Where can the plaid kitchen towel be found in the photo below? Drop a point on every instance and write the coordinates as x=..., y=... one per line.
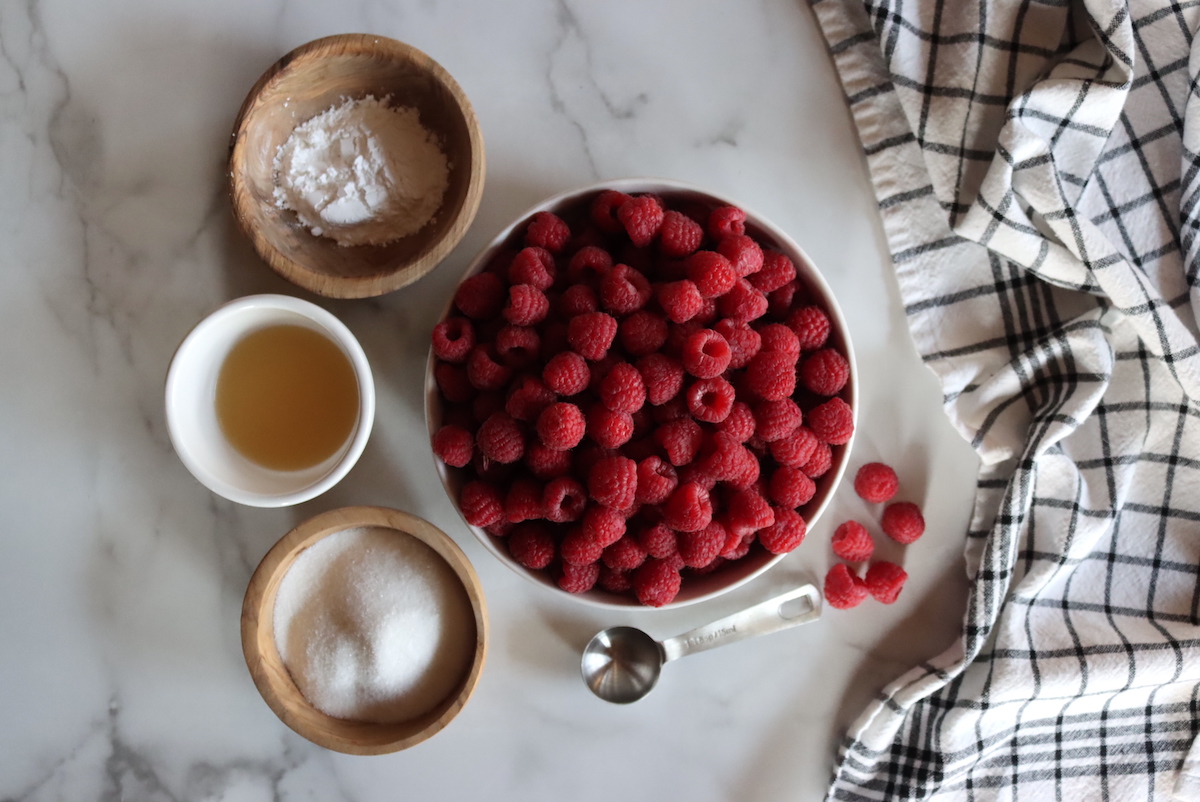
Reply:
x=1035, y=163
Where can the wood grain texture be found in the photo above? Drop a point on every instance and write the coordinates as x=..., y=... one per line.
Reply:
x=311, y=79
x=272, y=677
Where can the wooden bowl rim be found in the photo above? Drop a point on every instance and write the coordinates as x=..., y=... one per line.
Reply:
x=259, y=603
x=377, y=284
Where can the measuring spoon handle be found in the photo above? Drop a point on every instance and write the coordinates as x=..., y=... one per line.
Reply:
x=770, y=616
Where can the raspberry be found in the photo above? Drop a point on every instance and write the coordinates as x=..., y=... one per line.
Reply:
x=517, y=346
x=776, y=419
x=697, y=474
x=453, y=339
x=578, y=299
x=742, y=252
x=736, y=550
x=778, y=337
x=623, y=389
x=500, y=438
x=528, y=399
x=790, y=487
x=527, y=305
x=531, y=545
x=533, y=266
x=681, y=300
x=656, y=480
x=843, y=589
x=501, y=528
x=705, y=354
x=885, y=580
x=688, y=509
x=480, y=296
x=604, y=211
x=523, y=502
x=624, y=290
x=592, y=334
x=641, y=217
x=603, y=526
x=825, y=372
x=743, y=302
x=547, y=231
x=577, y=578
x=902, y=522
x=663, y=377
x=677, y=337
x=720, y=457
x=725, y=221
x=679, y=236
x=680, y=439
x=566, y=373
x=599, y=369
x=739, y=423
x=710, y=400
x=785, y=534
x=561, y=426
x=811, y=327
x=578, y=548
x=607, y=428
x=659, y=541
x=796, y=449
x=771, y=376
x=613, y=482
x=547, y=463
x=589, y=263
x=776, y=271
x=642, y=333
x=819, y=463
x=480, y=504
x=832, y=422
x=852, y=543
x=454, y=445
x=708, y=313
x=563, y=500
x=485, y=371
x=711, y=272
x=876, y=482
x=620, y=582
x=624, y=555
x=672, y=409
x=656, y=583
x=747, y=472
x=781, y=301
x=748, y=512
x=700, y=548
x=744, y=342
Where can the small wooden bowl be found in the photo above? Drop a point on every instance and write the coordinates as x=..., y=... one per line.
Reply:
x=311, y=79
x=272, y=677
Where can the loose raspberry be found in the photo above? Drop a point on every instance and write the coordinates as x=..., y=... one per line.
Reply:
x=876, y=482
x=454, y=445
x=656, y=583
x=778, y=337
x=547, y=463
x=742, y=252
x=725, y=221
x=453, y=339
x=705, y=354
x=642, y=333
x=680, y=235
x=885, y=580
x=532, y=266
x=748, y=471
x=613, y=482
x=592, y=334
x=902, y=522
x=604, y=211
x=710, y=400
x=563, y=500
x=588, y=265
x=720, y=456
x=619, y=582
x=527, y=305
x=743, y=302
x=811, y=326
x=657, y=479
x=700, y=548
x=832, y=422
x=528, y=399
x=561, y=426
x=578, y=299
x=781, y=301
x=736, y=550
x=659, y=541
x=566, y=373
x=480, y=503
x=785, y=534
x=641, y=217
x=776, y=271
x=524, y=501
x=708, y=313
x=825, y=372
x=739, y=423
x=624, y=290
x=603, y=525
x=776, y=419
x=711, y=272
x=480, y=296
x=680, y=439
x=681, y=300
x=500, y=438
x=771, y=376
x=843, y=589
x=796, y=449
x=749, y=512
x=607, y=428
x=744, y=342
x=671, y=409
x=599, y=369
x=819, y=463
x=623, y=389
x=548, y=231
x=852, y=542
x=790, y=487
x=531, y=544
x=624, y=555
x=678, y=335
x=517, y=346
x=578, y=548
x=485, y=369
x=577, y=578
x=501, y=528
x=697, y=474
x=688, y=509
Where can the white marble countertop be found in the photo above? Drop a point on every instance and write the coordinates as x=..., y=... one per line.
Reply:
x=121, y=578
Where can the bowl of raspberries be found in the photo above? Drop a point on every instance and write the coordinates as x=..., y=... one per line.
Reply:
x=641, y=394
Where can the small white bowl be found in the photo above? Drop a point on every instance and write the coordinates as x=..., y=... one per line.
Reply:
x=191, y=409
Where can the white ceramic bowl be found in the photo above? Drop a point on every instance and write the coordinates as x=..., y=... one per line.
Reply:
x=695, y=588
x=191, y=409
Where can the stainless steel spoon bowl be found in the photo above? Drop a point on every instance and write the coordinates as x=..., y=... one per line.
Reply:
x=622, y=664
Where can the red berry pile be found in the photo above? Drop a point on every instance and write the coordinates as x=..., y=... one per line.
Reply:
x=637, y=394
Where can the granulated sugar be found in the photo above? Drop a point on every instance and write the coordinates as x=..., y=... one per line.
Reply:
x=362, y=173
x=373, y=625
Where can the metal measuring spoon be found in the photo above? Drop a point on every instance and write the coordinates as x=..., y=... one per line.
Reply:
x=622, y=664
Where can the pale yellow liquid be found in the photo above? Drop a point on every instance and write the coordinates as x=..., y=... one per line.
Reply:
x=287, y=397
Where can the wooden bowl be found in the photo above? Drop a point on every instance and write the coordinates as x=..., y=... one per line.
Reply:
x=311, y=79
x=272, y=677
x=573, y=205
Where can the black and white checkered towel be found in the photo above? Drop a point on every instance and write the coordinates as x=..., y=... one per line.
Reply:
x=1036, y=167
